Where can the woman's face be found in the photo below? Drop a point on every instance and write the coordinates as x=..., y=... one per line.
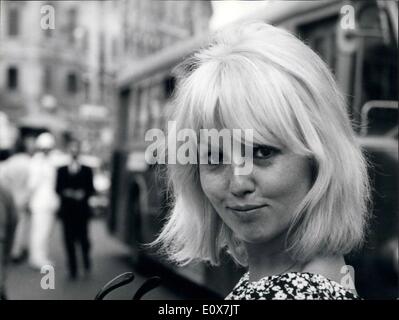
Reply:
x=258, y=207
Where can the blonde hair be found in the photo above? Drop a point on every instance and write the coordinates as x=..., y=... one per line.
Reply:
x=258, y=76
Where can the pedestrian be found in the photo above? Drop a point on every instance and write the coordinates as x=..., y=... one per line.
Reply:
x=44, y=201
x=8, y=216
x=75, y=186
x=14, y=173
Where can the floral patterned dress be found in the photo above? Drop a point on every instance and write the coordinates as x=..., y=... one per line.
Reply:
x=290, y=286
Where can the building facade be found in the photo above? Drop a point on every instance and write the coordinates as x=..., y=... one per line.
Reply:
x=59, y=61
x=51, y=67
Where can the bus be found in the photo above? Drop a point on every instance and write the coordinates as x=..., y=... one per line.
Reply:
x=358, y=41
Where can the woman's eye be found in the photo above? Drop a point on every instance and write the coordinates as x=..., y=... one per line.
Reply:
x=264, y=152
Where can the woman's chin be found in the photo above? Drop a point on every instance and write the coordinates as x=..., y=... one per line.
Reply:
x=262, y=236
x=254, y=238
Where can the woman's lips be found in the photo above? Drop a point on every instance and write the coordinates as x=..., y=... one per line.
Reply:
x=247, y=207
x=242, y=209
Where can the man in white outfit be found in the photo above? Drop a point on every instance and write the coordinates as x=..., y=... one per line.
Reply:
x=15, y=174
x=44, y=201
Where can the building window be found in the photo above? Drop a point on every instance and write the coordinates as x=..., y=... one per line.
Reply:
x=47, y=79
x=85, y=40
x=321, y=36
x=71, y=24
x=13, y=22
x=48, y=33
x=12, y=78
x=72, y=83
x=114, y=48
x=86, y=85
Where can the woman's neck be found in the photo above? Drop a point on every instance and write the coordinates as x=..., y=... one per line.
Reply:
x=271, y=258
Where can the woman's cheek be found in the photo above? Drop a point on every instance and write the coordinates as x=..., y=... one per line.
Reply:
x=289, y=177
x=213, y=184
x=274, y=179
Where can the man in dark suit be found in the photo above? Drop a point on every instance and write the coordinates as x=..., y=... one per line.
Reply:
x=75, y=186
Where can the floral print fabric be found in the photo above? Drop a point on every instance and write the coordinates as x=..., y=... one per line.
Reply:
x=290, y=286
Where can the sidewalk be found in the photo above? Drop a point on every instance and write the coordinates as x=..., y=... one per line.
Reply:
x=110, y=258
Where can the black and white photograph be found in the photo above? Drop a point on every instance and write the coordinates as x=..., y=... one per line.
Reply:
x=199, y=150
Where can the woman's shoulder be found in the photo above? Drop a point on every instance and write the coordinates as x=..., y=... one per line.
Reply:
x=291, y=285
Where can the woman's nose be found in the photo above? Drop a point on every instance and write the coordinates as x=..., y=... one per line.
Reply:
x=241, y=185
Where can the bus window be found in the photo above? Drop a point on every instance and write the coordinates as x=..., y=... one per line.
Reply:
x=379, y=78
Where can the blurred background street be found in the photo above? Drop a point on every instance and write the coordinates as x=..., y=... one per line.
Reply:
x=111, y=259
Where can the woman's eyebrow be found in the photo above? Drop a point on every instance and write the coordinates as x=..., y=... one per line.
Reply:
x=267, y=144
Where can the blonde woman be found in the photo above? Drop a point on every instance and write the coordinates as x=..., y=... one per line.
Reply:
x=304, y=203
